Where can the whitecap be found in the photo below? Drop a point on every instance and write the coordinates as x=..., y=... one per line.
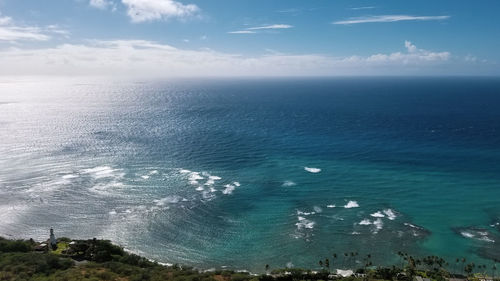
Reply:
x=317, y=209
x=145, y=177
x=153, y=172
x=102, y=172
x=172, y=199
x=365, y=222
x=378, y=223
x=228, y=189
x=305, y=213
x=304, y=223
x=194, y=183
x=289, y=264
x=467, y=234
x=194, y=176
x=330, y=206
x=390, y=214
x=351, y=204
x=312, y=170
x=113, y=212
x=212, y=189
x=487, y=239
x=70, y=176
x=210, y=182
x=199, y=188
x=184, y=171
x=215, y=178
x=288, y=184
x=237, y=184
x=377, y=215
x=355, y=233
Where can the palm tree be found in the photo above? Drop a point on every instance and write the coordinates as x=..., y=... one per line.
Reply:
x=321, y=264
x=267, y=268
x=327, y=264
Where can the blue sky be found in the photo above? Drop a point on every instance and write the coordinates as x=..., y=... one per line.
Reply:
x=249, y=37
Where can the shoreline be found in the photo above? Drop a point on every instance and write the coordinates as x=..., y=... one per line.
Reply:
x=72, y=256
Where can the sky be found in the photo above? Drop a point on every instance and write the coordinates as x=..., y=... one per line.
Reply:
x=166, y=38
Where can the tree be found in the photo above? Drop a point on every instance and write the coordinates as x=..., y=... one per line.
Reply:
x=327, y=264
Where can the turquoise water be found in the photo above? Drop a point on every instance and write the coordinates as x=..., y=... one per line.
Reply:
x=243, y=173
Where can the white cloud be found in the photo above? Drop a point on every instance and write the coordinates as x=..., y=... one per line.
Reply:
x=389, y=18
x=151, y=10
x=13, y=33
x=253, y=30
x=273, y=26
x=242, y=32
x=140, y=58
x=100, y=4
x=362, y=8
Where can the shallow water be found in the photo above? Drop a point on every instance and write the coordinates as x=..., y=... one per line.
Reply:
x=243, y=173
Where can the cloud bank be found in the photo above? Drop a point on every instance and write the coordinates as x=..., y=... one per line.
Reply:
x=141, y=58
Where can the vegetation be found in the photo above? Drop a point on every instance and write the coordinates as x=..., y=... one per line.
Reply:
x=101, y=260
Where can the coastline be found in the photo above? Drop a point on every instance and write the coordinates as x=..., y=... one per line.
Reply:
x=65, y=258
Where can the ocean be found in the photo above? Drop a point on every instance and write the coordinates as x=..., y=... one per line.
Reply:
x=240, y=173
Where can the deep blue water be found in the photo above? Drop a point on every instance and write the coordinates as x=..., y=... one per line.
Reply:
x=248, y=172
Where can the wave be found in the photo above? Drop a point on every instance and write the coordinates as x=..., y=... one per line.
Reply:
x=365, y=222
x=70, y=176
x=377, y=214
x=172, y=199
x=390, y=214
x=351, y=204
x=331, y=206
x=288, y=184
x=304, y=223
x=317, y=209
x=305, y=213
x=229, y=188
x=312, y=170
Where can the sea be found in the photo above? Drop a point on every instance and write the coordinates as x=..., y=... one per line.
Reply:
x=237, y=173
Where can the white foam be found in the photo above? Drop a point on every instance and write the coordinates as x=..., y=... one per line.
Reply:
x=153, y=172
x=487, y=239
x=351, y=204
x=390, y=214
x=228, y=189
x=199, y=188
x=288, y=184
x=365, y=222
x=237, y=184
x=355, y=233
x=304, y=223
x=467, y=234
x=212, y=189
x=289, y=264
x=184, y=171
x=378, y=223
x=145, y=177
x=305, y=213
x=194, y=183
x=312, y=170
x=101, y=172
x=317, y=209
x=210, y=182
x=331, y=206
x=215, y=178
x=194, y=176
x=70, y=176
x=113, y=212
x=172, y=199
x=377, y=215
